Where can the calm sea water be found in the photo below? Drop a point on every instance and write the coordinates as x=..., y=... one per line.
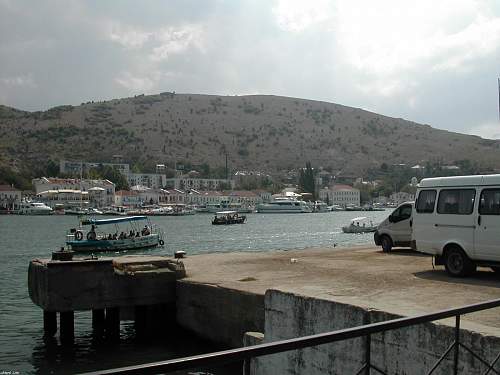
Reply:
x=23, y=238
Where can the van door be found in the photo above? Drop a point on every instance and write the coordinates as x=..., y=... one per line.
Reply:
x=487, y=238
x=454, y=219
x=424, y=231
x=400, y=230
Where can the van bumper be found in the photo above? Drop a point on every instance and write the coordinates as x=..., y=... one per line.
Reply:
x=413, y=245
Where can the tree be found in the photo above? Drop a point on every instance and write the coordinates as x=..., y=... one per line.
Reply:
x=306, y=180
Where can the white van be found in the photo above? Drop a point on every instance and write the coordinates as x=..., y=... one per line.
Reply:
x=395, y=230
x=457, y=219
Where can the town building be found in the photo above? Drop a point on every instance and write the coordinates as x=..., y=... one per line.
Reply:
x=186, y=182
x=10, y=198
x=151, y=180
x=127, y=198
x=70, y=190
x=343, y=195
x=401, y=197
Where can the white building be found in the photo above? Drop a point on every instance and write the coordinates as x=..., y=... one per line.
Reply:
x=10, y=197
x=343, y=195
x=151, y=180
x=185, y=182
x=401, y=197
x=103, y=191
x=127, y=198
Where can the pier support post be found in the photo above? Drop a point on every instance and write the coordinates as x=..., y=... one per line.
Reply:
x=98, y=318
x=113, y=322
x=49, y=323
x=67, y=326
x=140, y=320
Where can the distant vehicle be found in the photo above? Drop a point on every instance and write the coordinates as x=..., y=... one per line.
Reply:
x=457, y=219
x=395, y=230
x=228, y=217
x=360, y=225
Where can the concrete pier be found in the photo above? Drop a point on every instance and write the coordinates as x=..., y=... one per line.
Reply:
x=105, y=286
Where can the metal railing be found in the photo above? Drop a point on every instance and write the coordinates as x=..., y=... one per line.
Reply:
x=247, y=353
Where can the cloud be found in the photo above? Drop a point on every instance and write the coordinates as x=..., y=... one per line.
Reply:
x=298, y=15
x=18, y=81
x=176, y=40
x=135, y=83
x=128, y=38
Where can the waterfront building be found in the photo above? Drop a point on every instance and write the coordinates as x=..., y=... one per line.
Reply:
x=401, y=197
x=10, y=197
x=104, y=197
x=127, y=198
x=264, y=195
x=343, y=195
x=244, y=197
x=186, y=182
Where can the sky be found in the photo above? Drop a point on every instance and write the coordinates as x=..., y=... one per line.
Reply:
x=432, y=62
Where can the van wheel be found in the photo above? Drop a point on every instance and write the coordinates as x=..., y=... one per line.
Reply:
x=386, y=243
x=457, y=263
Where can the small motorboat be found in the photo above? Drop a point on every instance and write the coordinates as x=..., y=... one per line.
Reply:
x=228, y=217
x=360, y=225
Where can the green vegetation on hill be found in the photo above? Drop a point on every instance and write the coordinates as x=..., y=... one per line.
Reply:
x=266, y=133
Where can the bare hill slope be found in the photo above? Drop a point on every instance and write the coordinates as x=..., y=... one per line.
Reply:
x=257, y=132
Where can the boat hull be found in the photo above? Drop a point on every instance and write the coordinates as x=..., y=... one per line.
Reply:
x=133, y=243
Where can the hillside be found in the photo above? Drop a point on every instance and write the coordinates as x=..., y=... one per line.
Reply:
x=257, y=132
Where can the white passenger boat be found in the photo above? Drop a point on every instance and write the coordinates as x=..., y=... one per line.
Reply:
x=34, y=208
x=360, y=225
x=285, y=205
x=106, y=235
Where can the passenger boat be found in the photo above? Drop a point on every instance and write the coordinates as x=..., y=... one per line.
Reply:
x=360, y=225
x=106, y=235
x=34, y=208
x=228, y=217
x=287, y=205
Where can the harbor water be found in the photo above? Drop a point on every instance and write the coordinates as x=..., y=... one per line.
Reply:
x=23, y=349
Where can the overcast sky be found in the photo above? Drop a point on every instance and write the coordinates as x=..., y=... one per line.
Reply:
x=433, y=62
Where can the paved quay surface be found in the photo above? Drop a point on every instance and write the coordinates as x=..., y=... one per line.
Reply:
x=401, y=282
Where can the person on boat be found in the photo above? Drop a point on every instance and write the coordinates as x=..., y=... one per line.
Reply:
x=121, y=236
x=110, y=236
x=131, y=234
x=115, y=236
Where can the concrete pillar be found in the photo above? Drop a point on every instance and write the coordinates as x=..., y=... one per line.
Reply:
x=140, y=320
x=67, y=326
x=98, y=318
x=113, y=322
x=49, y=323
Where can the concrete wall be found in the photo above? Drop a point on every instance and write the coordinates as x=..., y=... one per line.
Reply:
x=412, y=350
x=221, y=315
x=85, y=285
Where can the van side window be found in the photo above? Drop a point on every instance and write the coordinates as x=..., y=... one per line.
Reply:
x=489, y=204
x=405, y=212
x=456, y=201
x=425, y=202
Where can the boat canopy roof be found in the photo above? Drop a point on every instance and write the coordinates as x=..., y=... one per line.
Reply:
x=361, y=218
x=226, y=212
x=116, y=220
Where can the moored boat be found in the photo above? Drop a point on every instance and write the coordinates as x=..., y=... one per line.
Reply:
x=34, y=208
x=287, y=205
x=101, y=238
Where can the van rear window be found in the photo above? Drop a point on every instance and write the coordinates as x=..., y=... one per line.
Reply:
x=456, y=201
x=489, y=203
x=425, y=202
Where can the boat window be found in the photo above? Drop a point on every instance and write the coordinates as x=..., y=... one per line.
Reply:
x=456, y=201
x=426, y=201
x=489, y=204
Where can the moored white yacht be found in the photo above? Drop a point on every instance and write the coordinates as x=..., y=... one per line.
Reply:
x=34, y=208
x=286, y=205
